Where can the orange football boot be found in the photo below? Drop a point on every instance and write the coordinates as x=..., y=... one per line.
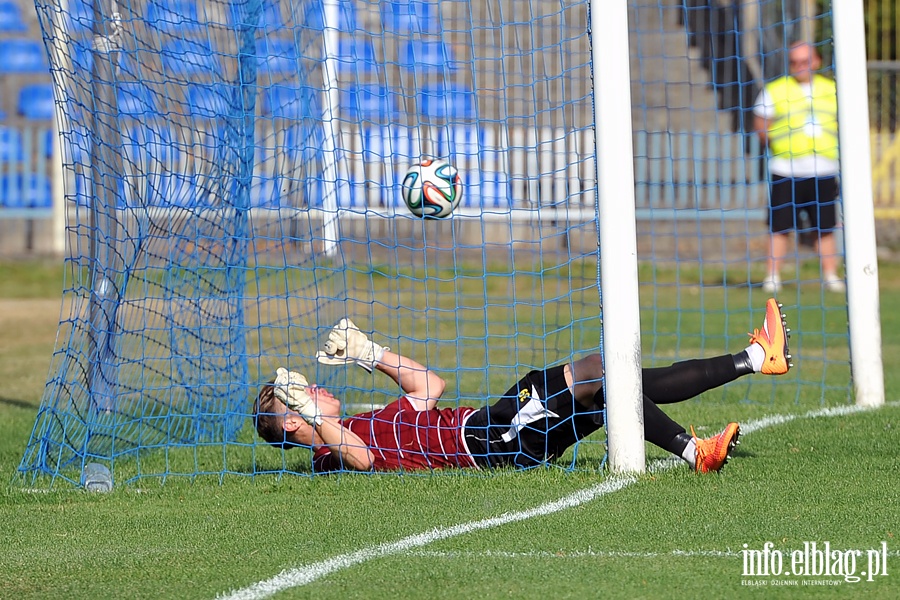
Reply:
x=773, y=337
x=713, y=453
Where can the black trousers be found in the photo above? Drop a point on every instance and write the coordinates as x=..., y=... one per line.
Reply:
x=538, y=418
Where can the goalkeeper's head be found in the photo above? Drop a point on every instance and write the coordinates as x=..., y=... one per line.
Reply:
x=277, y=424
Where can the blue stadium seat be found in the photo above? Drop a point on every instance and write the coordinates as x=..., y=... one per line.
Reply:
x=347, y=22
x=304, y=143
x=48, y=141
x=266, y=184
x=177, y=17
x=447, y=101
x=488, y=190
x=150, y=156
x=369, y=103
x=155, y=162
x=182, y=190
x=83, y=60
x=79, y=142
x=265, y=191
x=36, y=101
x=81, y=190
x=10, y=145
x=210, y=101
x=145, y=143
x=427, y=56
x=11, y=17
x=314, y=190
x=277, y=56
x=40, y=194
x=81, y=18
x=291, y=102
x=270, y=20
x=356, y=55
x=23, y=56
x=190, y=58
x=135, y=100
x=25, y=190
x=75, y=145
x=190, y=190
x=405, y=16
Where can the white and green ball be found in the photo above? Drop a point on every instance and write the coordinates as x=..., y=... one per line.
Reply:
x=432, y=188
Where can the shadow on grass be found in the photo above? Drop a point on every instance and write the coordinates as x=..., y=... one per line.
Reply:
x=19, y=403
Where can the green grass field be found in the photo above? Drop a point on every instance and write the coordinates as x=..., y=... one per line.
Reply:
x=667, y=534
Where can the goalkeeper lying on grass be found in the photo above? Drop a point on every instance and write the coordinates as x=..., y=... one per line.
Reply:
x=535, y=421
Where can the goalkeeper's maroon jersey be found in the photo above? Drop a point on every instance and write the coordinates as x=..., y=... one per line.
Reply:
x=401, y=437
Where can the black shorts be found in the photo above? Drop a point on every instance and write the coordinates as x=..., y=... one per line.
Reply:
x=817, y=196
x=535, y=421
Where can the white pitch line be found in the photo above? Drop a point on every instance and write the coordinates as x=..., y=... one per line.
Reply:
x=299, y=576
x=588, y=554
x=577, y=554
x=772, y=420
x=290, y=578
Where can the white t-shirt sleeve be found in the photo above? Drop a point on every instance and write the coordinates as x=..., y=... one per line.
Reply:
x=764, y=106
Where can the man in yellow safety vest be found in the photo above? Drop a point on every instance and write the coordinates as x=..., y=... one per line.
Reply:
x=796, y=116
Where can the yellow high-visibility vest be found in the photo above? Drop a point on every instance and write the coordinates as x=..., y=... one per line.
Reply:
x=803, y=126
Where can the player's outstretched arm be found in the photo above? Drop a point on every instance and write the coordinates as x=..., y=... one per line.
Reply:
x=347, y=344
x=422, y=386
x=342, y=442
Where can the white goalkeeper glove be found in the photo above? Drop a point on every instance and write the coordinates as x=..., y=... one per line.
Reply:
x=290, y=388
x=346, y=343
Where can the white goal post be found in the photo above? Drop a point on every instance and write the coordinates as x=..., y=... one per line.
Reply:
x=859, y=214
x=618, y=236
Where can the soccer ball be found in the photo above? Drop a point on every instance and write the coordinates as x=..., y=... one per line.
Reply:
x=432, y=188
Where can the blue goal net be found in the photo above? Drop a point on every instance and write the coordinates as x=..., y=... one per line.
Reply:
x=232, y=176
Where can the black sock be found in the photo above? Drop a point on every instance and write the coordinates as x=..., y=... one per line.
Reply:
x=679, y=443
x=661, y=430
x=689, y=378
x=676, y=383
x=742, y=363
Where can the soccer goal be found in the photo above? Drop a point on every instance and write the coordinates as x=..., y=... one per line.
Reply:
x=232, y=175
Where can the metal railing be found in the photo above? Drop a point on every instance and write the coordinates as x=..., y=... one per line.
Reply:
x=503, y=168
x=677, y=174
